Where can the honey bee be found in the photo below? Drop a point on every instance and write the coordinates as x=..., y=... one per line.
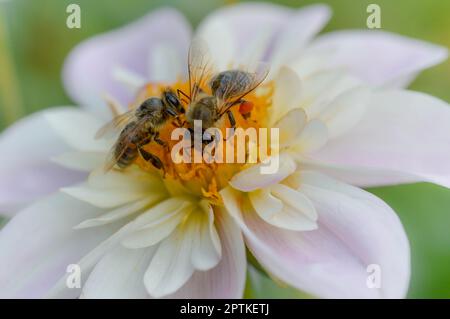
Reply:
x=227, y=88
x=139, y=127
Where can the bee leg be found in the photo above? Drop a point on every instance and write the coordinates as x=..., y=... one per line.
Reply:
x=161, y=142
x=231, y=119
x=232, y=123
x=145, y=141
x=153, y=159
x=178, y=122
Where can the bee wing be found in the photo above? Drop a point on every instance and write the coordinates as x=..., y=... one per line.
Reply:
x=243, y=83
x=123, y=143
x=200, y=66
x=111, y=158
x=116, y=124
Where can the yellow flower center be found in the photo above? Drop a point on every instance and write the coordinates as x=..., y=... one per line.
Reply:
x=203, y=179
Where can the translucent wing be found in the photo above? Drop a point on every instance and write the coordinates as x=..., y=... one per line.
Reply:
x=116, y=125
x=115, y=153
x=240, y=83
x=200, y=66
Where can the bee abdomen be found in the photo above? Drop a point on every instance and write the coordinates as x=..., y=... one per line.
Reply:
x=230, y=83
x=127, y=157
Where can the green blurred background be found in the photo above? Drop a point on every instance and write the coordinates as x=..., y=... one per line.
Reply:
x=34, y=41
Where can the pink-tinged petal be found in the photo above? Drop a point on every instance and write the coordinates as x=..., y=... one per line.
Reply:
x=89, y=68
x=361, y=176
x=255, y=26
x=402, y=132
x=378, y=57
x=356, y=229
x=227, y=279
x=21, y=185
x=26, y=171
x=246, y=22
x=297, y=31
x=38, y=244
x=119, y=274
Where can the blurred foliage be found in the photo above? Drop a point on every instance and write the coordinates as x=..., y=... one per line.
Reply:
x=34, y=41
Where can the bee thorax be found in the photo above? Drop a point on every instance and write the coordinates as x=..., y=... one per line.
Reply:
x=204, y=110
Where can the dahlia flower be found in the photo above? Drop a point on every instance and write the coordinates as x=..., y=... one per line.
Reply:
x=345, y=121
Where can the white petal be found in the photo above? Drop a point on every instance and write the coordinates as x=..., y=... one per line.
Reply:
x=257, y=25
x=119, y=274
x=297, y=31
x=104, y=197
x=81, y=161
x=26, y=171
x=220, y=42
x=154, y=215
x=118, y=213
x=361, y=176
x=154, y=232
x=246, y=24
x=251, y=178
x=356, y=229
x=88, y=68
x=321, y=88
x=206, y=247
x=312, y=62
x=295, y=200
x=290, y=126
x=227, y=279
x=284, y=207
x=345, y=111
x=78, y=129
x=117, y=188
x=402, y=132
x=287, y=93
x=132, y=81
x=88, y=261
x=313, y=137
x=171, y=265
x=165, y=64
x=265, y=203
x=378, y=57
x=39, y=243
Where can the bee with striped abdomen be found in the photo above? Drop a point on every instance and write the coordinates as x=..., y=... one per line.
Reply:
x=139, y=127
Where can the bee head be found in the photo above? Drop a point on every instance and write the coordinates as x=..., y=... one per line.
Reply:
x=172, y=102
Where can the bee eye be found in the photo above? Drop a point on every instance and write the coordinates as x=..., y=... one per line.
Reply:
x=172, y=100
